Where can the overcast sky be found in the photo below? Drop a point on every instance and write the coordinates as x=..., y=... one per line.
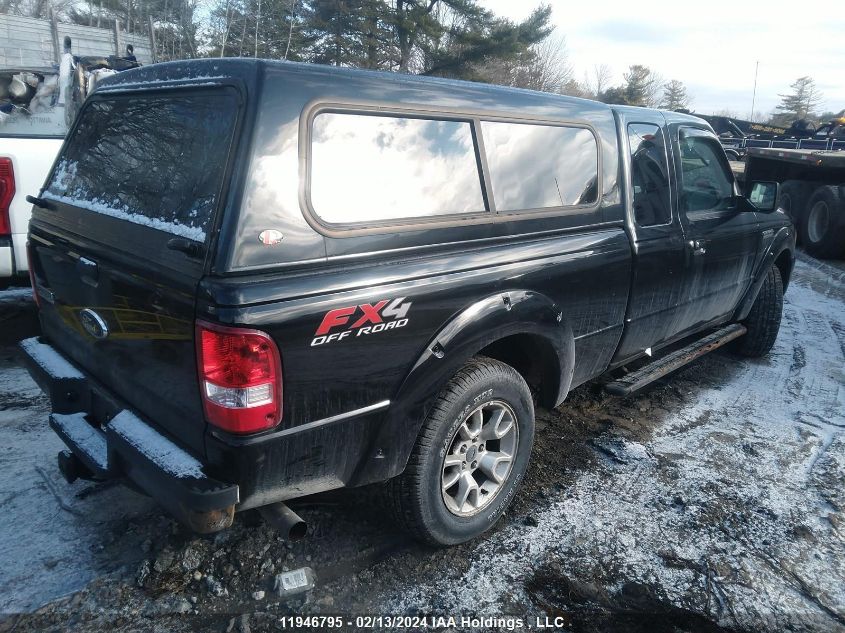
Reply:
x=711, y=46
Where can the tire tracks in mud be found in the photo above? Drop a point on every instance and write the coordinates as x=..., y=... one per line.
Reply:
x=839, y=332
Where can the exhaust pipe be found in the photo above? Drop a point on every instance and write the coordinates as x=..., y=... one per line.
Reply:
x=289, y=524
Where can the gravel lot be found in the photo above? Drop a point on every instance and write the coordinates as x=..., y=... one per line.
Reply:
x=713, y=501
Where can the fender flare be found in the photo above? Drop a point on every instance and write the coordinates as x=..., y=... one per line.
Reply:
x=782, y=240
x=486, y=321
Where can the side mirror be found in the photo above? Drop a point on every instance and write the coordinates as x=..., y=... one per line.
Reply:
x=764, y=195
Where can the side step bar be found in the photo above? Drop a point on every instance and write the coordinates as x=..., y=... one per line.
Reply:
x=638, y=379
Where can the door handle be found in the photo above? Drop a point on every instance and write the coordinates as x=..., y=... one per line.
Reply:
x=697, y=247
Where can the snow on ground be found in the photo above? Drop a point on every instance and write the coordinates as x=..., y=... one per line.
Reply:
x=713, y=500
x=732, y=509
x=55, y=538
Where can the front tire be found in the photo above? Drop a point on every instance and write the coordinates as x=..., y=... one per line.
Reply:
x=470, y=456
x=763, y=322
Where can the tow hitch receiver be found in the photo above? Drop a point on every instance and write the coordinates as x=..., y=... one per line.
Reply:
x=72, y=467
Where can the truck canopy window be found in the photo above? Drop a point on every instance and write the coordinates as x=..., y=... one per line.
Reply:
x=540, y=166
x=152, y=160
x=649, y=175
x=369, y=168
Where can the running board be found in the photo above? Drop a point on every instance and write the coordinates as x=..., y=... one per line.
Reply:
x=638, y=379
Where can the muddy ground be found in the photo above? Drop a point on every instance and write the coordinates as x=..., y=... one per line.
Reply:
x=712, y=502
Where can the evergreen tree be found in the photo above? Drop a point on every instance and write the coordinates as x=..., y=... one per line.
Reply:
x=454, y=38
x=642, y=86
x=800, y=103
x=349, y=33
x=474, y=36
x=336, y=27
x=675, y=96
x=615, y=96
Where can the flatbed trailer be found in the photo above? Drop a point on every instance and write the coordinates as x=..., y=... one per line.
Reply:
x=737, y=148
x=812, y=192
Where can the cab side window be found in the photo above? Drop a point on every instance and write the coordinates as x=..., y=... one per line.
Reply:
x=706, y=180
x=649, y=175
x=541, y=166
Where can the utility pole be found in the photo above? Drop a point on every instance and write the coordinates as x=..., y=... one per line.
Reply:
x=754, y=95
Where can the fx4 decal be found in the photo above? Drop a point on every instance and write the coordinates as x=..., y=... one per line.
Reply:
x=362, y=320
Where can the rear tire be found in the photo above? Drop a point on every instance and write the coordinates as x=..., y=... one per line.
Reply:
x=458, y=443
x=822, y=230
x=792, y=199
x=763, y=322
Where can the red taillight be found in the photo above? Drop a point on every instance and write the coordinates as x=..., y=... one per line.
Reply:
x=7, y=192
x=240, y=377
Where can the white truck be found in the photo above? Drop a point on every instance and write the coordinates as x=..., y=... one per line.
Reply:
x=37, y=106
x=32, y=127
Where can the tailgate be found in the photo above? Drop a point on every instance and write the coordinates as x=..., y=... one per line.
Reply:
x=120, y=247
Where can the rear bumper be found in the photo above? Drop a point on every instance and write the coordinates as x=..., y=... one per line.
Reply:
x=7, y=265
x=127, y=446
x=13, y=262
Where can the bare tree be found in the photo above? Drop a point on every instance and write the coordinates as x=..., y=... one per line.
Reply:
x=544, y=66
x=573, y=88
x=548, y=69
x=227, y=25
x=597, y=80
x=727, y=113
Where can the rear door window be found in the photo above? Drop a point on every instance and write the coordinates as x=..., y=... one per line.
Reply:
x=649, y=175
x=157, y=161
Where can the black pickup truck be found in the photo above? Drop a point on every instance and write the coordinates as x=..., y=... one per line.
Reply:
x=263, y=280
